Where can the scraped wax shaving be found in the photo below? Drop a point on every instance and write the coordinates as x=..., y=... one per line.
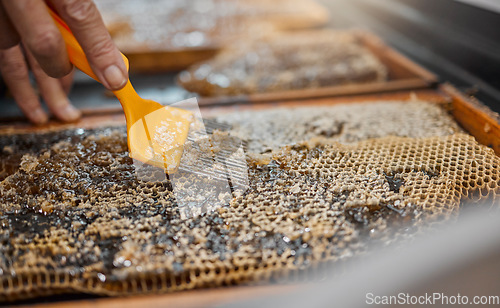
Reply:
x=168, y=141
x=75, y=218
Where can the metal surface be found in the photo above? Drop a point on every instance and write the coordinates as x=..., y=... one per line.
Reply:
x=457, y=41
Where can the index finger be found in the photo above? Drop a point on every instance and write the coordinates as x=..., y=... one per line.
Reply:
x=87, y=26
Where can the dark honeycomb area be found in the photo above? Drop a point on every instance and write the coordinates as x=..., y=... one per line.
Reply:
x=74, y=217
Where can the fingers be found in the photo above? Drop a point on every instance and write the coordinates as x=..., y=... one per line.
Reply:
x=53, y=93
x=67, y=82
x=9, y=37
x=39, y=34
x=86, y=23
x=45, y=52
x=15, y=73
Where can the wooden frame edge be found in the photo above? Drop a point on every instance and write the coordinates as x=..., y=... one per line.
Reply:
x=475, y=117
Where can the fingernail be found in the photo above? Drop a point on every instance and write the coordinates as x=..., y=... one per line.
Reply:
x=70, y=113
x=39, y=117
x=114, y=77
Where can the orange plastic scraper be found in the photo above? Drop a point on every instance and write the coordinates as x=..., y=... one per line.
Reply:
x=155, y=133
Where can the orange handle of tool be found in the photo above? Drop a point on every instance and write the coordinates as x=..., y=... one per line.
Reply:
x=75, y=51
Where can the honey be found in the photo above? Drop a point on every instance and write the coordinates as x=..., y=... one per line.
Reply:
x=75, y=218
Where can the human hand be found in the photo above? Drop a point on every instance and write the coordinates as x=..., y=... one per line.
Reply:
x=28, y=26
